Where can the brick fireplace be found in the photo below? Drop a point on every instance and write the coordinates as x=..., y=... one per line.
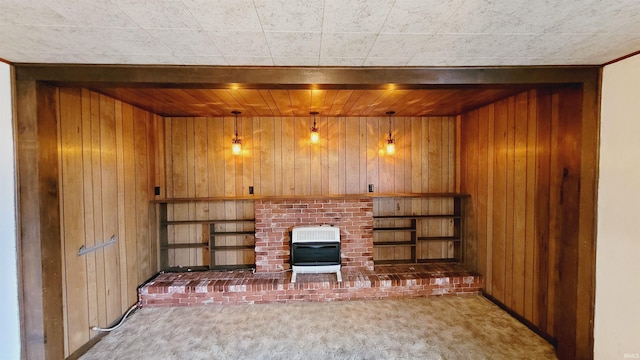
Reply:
x=274, y=220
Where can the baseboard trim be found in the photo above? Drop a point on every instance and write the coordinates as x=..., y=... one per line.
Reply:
x=524, y=321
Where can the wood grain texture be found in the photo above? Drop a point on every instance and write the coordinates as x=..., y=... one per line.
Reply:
x=278, y=159
x=529, y=258
x=106, y=184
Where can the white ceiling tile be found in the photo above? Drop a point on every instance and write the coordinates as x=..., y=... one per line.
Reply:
x=328, y=61
x=240, y=43
x=201, y=60
x=13, y=56
x=158, y=14
x=419, y=16
x=287, y=15
x=391, y=32
x=98, y=13
x=581, y=46
x=22, y=12
x=186, y=42
x=295, y=61
x=341, y=45
x=225, y=15
x=294, y=44
x=476, y=45
x=399, y=45
x=121, y=59
x=502, y=16
x=60, y=58
x=386, y=61
x=623, y=17
x=246, y=60
x=124, y=41
x=47, y=39
x=366, y=16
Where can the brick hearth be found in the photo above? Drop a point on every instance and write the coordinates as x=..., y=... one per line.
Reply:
x=276, y=218
x=246, y=287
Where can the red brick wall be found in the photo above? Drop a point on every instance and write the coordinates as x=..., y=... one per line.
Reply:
x=276, y=218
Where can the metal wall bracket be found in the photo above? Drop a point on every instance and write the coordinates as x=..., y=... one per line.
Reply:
x=85, y=250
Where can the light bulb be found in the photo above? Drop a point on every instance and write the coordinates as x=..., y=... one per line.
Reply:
x=391, y=147
x=236, y=147
x=315, y=137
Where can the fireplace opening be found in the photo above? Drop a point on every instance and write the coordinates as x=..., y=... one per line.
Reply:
x=315, y=249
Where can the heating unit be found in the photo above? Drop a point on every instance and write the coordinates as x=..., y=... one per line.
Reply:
x=315, y=249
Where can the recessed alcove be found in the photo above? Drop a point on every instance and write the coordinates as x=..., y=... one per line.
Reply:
x=520, y=142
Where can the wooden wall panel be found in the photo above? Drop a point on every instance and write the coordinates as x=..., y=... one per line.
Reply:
x=106, y=181
x=278, y=159
x=520, y=161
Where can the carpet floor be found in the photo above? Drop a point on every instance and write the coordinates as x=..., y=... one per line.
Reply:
x=412, y=328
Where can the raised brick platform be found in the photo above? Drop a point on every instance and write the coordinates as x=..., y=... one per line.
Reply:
x=246, y=287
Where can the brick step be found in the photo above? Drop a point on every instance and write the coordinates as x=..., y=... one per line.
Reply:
x=246, y=287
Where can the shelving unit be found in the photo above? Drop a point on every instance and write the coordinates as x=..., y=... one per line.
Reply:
x=408, y=228
x=215, y=246
x=421, y=237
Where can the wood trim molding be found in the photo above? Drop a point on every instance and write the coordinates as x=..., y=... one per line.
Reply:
x=301, y=77
x=39, y=222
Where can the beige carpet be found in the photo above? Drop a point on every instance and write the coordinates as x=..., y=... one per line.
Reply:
x=423, y=328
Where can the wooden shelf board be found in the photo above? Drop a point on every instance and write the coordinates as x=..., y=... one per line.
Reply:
x=409, y=229
x=415, y=217
x=310, y=197
x=185, y=268
x=187, y=222
x=444, y=260
x=233, y=247
x=438, y=238
x=393, y=243
x=184, y=246
x=232, y=233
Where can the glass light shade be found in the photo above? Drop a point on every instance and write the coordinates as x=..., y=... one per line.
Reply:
x=391, y=147
x=315, y=136
x=236, y=147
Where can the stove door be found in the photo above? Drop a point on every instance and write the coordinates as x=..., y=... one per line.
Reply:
x=315, y=253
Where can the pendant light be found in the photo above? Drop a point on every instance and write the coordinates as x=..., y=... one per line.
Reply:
x=315, y=135
x=391, y=142
x=236, y=143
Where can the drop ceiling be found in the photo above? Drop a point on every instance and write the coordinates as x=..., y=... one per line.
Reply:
x=319, y=32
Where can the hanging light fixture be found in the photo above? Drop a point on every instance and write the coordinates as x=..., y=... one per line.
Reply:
x=315, y=135
x=236, y=143
x=391, y=142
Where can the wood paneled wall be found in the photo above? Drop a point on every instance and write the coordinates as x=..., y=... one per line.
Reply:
x=520, y=158
x=278, y=159
x=106, y=174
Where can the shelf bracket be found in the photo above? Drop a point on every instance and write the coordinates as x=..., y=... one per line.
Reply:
x=85, y=250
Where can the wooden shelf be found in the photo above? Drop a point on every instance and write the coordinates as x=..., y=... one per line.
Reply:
x=439, y=238
x=405, y=229
x=184, y=246
x=393, y=243
x=309, y=197
x=452, y=232
x=220, y=221
x=232, y=233
x=415, y=217
x=411, y=226
x=233, y=247
x=185, y=268
x=208, y=228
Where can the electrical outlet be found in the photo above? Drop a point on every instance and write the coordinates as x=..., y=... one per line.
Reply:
x=156, y=190
x=370, y=187
x=250, y=190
